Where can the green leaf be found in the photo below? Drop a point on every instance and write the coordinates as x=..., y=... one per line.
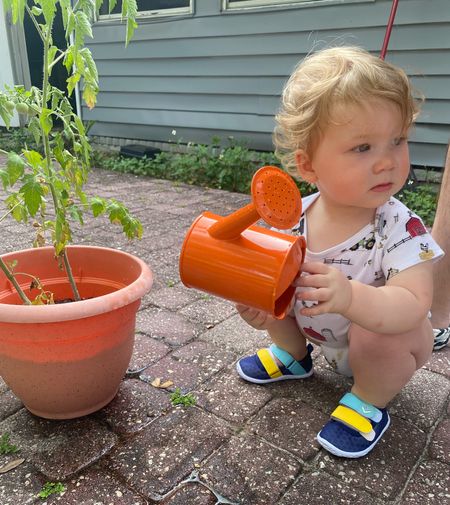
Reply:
x=89, y=63
x=98, y=206
x=35, y=129
x=90, y=94
x=112, y=4
x=129, y=11
x=18, y=210
x=76, y=213
x=36, y=11
x=4, y=177
x=49, y=10
x=17, y=7
x=15, y=167
x=46, y=120
x=34, y=158
x=5, y=110
x=82, y=28
x=66, y=7
x=32, y=193
x=72, y=82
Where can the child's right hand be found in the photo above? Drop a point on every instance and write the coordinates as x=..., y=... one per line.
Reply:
x=258, y=319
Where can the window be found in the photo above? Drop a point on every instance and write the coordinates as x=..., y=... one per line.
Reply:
x=248, y=4
x=150, y=8
x=237, y=4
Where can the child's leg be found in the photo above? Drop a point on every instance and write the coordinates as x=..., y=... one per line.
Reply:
x=383, y=364
x=294, y=345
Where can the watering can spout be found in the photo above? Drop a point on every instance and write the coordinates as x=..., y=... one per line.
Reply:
x=230, y=227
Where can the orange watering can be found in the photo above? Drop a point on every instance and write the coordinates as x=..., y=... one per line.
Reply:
x=230, y=258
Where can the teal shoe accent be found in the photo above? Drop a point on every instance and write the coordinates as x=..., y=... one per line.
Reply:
x=289, y=362
x=365, y=409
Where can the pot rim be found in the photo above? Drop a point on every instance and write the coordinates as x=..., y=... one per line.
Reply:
x=11, y=313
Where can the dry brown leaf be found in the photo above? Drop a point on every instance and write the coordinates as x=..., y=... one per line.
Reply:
x=11, y=465
x=156, y=383
x=166, y=384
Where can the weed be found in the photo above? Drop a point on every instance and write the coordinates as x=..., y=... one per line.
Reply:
x=178, y=398
x=50, y=488
x=5, y=446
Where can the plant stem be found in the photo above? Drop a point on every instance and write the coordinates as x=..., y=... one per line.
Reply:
x=48, y=165
x=76, y=293
x=14, y=282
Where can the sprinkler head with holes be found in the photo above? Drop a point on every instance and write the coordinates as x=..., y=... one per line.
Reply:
x=233, y=258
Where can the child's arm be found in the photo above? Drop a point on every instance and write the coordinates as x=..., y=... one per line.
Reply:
x=397, y=307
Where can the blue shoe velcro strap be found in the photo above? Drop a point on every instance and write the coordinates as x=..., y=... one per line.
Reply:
x=365, y=409
x=288, y=361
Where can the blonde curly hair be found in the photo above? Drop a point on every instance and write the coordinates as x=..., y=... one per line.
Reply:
x=333, y=77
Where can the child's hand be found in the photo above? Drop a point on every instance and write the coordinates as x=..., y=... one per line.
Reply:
x=333, y=290
x=259, y=319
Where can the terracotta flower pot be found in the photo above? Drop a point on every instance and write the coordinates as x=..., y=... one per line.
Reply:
x=67, y=360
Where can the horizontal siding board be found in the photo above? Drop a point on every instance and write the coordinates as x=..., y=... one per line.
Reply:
x=436, y=112
x=188, y=119
x=434, y=88
x=430, y=133
x=252, y=104
x=195, y=85
x=431, y=155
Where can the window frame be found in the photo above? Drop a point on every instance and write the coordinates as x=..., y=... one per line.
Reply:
x=247, y=5
x=157, y=13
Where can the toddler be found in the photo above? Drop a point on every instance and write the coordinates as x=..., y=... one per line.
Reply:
x=365, y=289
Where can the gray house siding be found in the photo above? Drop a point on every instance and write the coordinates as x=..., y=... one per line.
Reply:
x=221, y=73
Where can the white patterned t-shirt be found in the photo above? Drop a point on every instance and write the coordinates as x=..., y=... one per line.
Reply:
x=395, y=241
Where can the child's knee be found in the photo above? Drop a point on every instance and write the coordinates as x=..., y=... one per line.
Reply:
x=418, y=342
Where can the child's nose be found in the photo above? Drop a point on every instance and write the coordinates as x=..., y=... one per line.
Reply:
x=385, y=162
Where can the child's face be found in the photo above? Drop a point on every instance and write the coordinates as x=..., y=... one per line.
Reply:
x=364, y=159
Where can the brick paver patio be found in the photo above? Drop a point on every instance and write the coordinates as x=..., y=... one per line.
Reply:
x=241, y=443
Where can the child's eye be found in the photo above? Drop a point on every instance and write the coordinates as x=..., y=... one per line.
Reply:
x=361, y=148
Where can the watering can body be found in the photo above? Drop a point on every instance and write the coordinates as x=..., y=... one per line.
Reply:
x=232, y=258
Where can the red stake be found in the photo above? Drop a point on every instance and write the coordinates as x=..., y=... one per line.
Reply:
x=389, y=29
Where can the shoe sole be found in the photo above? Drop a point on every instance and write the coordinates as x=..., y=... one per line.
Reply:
x=342, y=454
x=275, y=379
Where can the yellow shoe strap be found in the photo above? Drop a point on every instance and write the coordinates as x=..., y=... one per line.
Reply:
x=269, y=363
x=352, y=419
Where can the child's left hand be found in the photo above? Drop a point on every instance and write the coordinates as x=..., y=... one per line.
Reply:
x=333, y=290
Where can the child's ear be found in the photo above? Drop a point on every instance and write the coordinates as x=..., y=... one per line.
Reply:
x=304, y=166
